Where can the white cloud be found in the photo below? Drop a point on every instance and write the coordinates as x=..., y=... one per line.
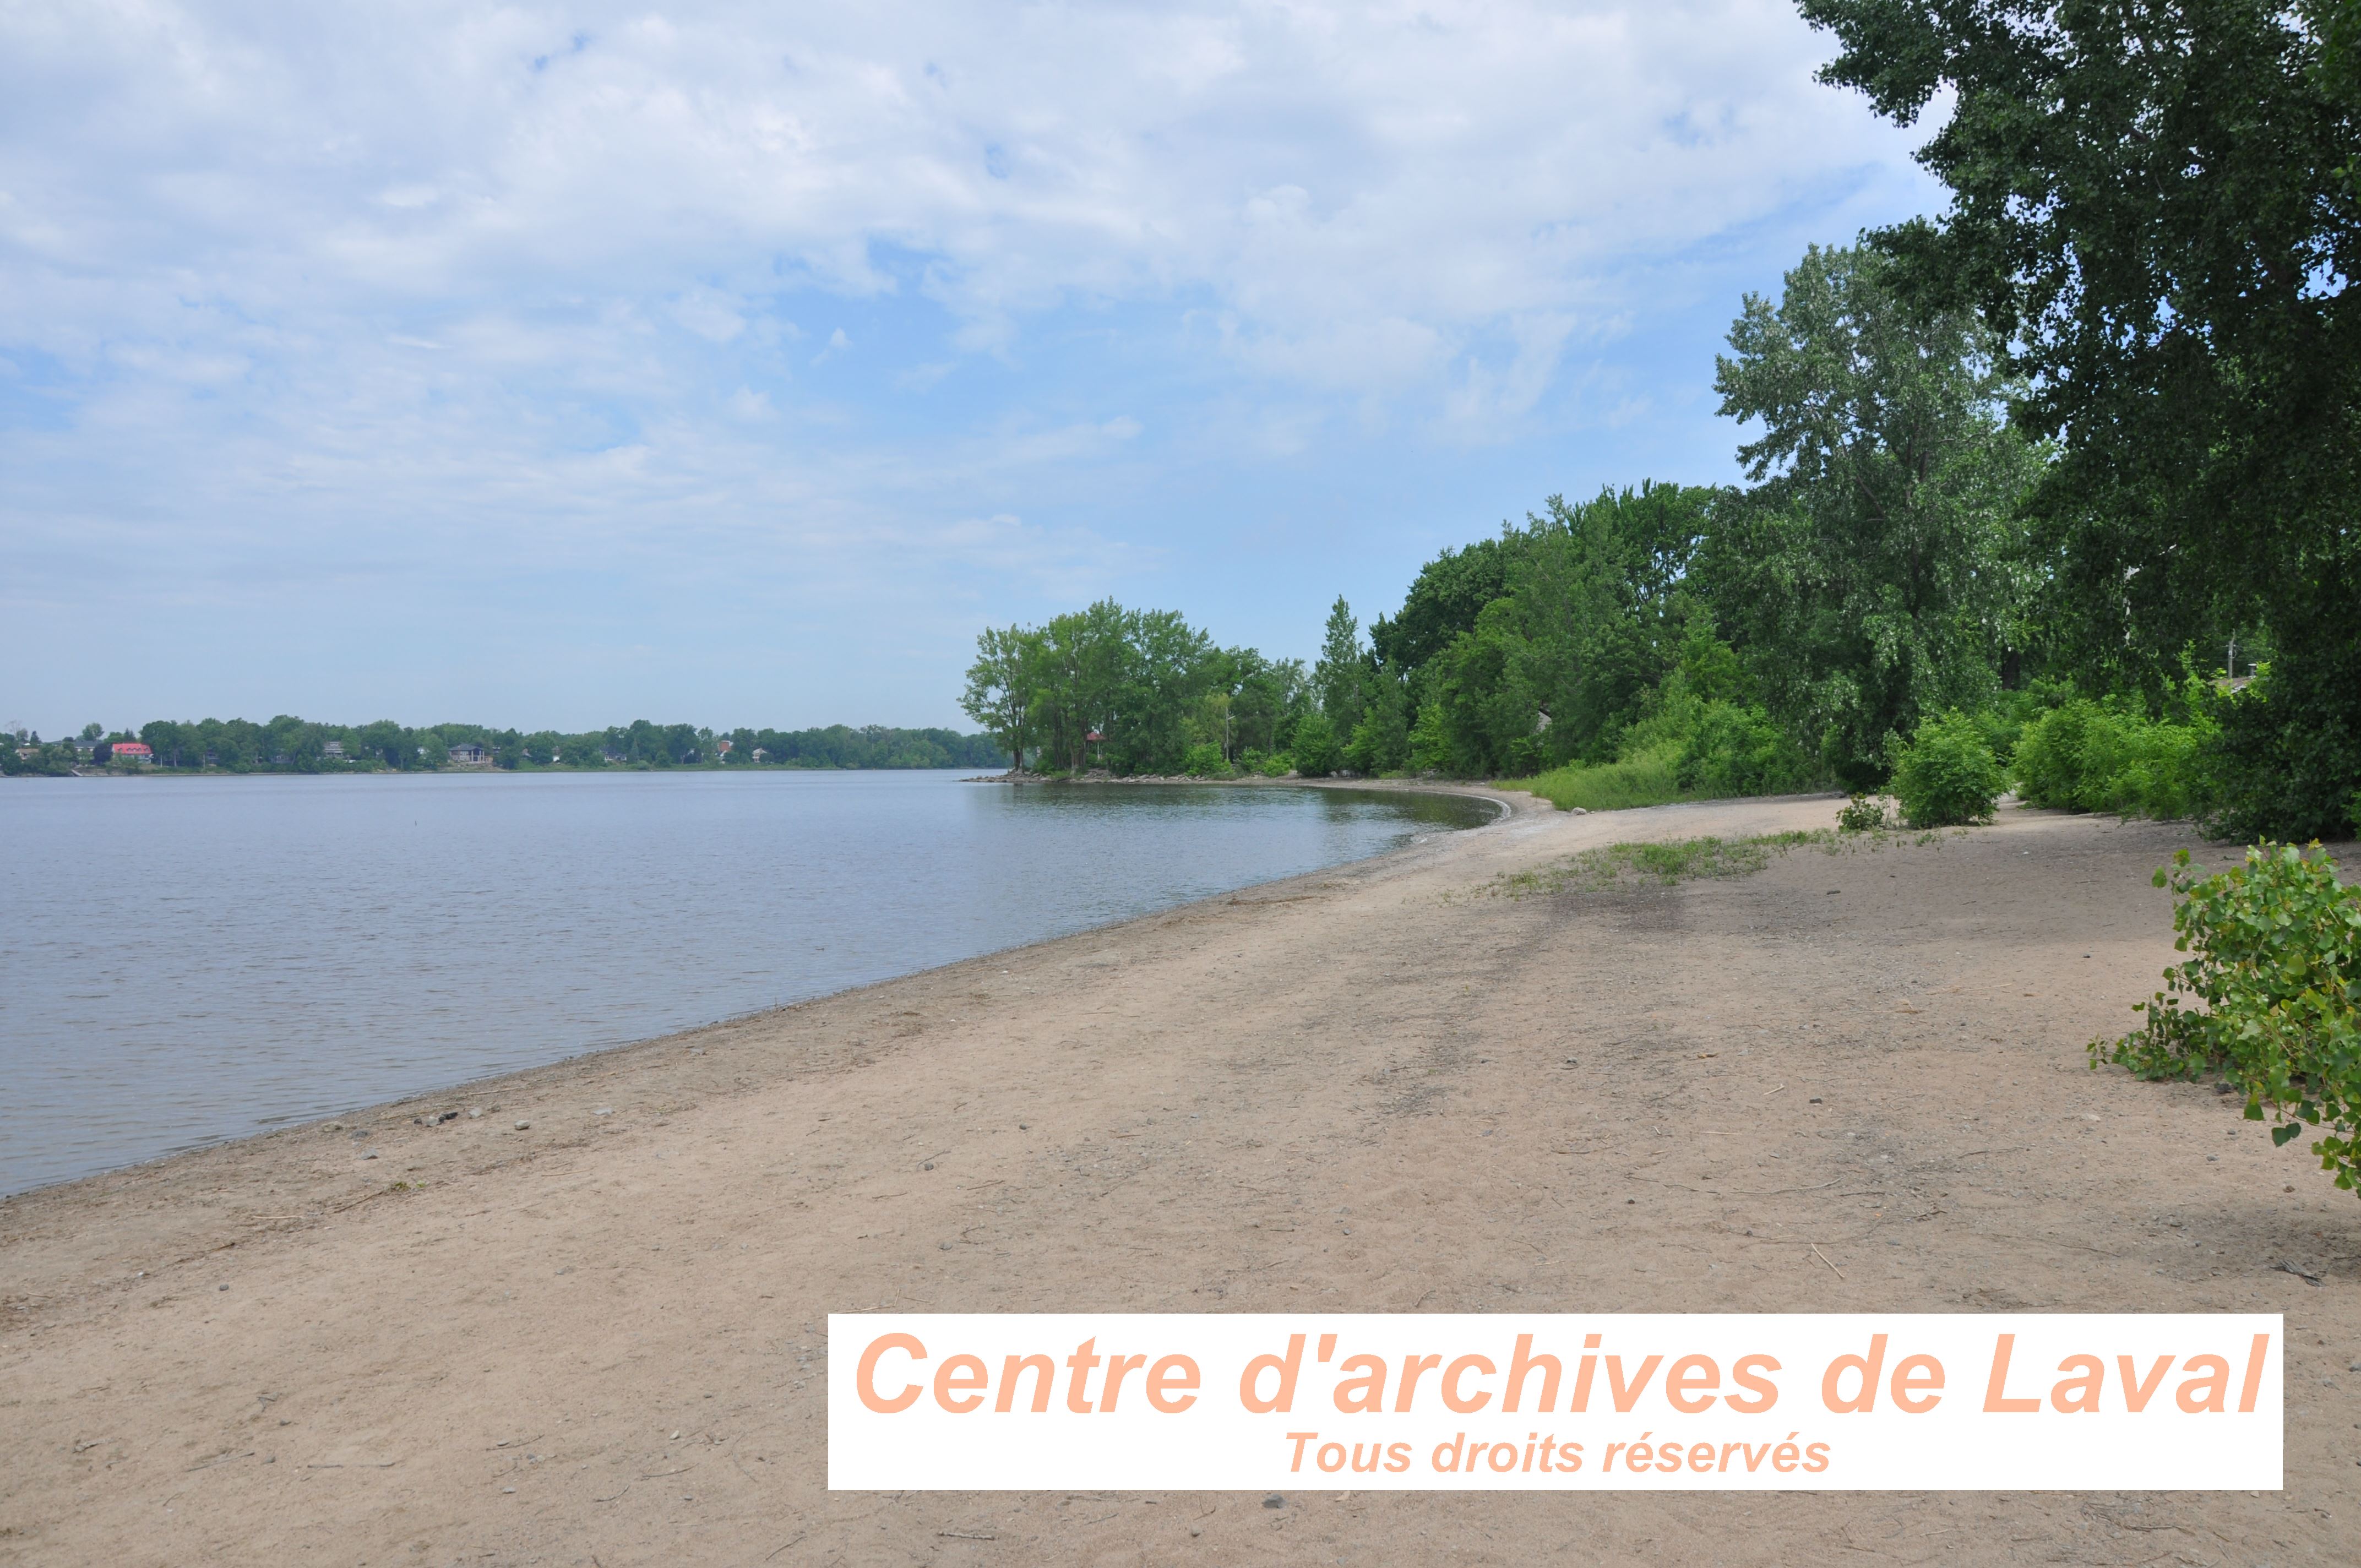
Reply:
x=302, y=289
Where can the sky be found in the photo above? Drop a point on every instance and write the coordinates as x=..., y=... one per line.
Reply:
x=555, y=365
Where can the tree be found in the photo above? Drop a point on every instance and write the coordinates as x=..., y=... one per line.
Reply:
x=1001, y=687
x=1871, y=576
x=1342, y=673
x=1443, y=600
x=1602, y=601
x=2156, y=205
x=1316, y=752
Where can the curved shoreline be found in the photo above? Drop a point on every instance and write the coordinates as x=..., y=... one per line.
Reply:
x=1376, y=1088
x=487, y=1085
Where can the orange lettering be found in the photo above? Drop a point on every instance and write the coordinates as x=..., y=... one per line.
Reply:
x=1765, y=1392
x=865, y=1377
x=2212, y=1386
x=1172, y=1384
x=1996, y=1402
x=1869, y=1366
x=1524, y=1361
x=1691, y=1385
x=954, y=1381
x=1917, y=1385
x=2136, y=1394
x=1463, y=1403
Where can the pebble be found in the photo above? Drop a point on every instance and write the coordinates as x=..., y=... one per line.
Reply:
x=520, y=1127
x=370, y=1154
x=1274, y=1501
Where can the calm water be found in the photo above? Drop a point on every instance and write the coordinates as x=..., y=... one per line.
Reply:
x=183, y=961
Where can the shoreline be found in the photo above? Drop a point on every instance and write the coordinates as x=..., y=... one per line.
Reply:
x=487, y=1087
x=1375, y=1088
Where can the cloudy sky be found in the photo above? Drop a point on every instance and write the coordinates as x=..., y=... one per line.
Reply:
x=559, y=365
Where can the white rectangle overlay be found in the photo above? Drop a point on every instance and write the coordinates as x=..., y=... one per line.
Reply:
x=1569, y=1401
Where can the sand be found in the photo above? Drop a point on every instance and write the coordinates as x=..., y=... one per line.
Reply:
x=599, y=1339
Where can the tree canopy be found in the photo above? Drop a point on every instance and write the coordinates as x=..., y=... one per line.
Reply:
x=2155, y=208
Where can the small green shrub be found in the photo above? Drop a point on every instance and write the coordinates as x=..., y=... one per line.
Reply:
x=1205, y=761
x=1316, y=751
x=1863, y=814
x=2278, y=965
x=1275, y=766
x=1947, y=774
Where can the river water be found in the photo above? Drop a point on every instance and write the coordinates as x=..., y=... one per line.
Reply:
x=183, y=961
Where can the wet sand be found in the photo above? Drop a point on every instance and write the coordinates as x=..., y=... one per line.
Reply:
x=1382, y=1088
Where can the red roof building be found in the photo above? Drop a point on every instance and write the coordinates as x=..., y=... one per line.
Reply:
x=131, y=751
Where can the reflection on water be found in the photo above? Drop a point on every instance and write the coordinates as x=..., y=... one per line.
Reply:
x=187, y=959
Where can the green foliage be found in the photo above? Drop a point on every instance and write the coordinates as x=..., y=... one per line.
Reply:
x=287, y=744
x=1663, y=864
x=1947, y=774
x=2086, y=755
x=2286, y=756
x=1316, y=752
x=1862, y=814
x=1734, y=751
x=1147, y=683
x=1430, y=751
x=1871, y=574
x=1340, y=679
x=1601, y=612
x=1205, y=761
x=1481, y=715
x=1648, y=778
x=2155, y=206
x=1380, y=741
x=2278, y=967
x=1445, y=600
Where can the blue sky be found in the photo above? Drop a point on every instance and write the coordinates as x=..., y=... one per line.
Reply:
x=548, y=365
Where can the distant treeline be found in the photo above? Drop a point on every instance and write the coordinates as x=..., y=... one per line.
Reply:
x=287, y=744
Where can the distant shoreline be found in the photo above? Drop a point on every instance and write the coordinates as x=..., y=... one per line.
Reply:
x=468, y=771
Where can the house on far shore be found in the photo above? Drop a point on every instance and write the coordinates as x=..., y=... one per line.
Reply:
x=761, y=755
x=135, y=752
x=334, y=749
x=469, y=755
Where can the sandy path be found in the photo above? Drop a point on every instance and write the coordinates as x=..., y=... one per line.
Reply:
x=599, y=1340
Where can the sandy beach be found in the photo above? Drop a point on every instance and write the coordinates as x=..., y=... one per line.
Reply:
x=581, y=1319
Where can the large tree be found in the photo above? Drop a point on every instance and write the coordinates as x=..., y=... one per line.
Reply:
x=1870, y=577
x=1001, y=687
x=2156, y=204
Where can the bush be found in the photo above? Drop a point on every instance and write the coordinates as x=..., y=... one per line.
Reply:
x=1204, y=760
x=1735, y=751
x=2105, y=756
x=2288, y=748
x=1316, y=751
x=1862, y=814
x=2278, y=945
x=1947, y=774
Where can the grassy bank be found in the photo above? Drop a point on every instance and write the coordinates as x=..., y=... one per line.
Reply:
x=1648, y=779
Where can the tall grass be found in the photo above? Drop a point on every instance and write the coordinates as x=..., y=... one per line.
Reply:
x=1650, y=778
